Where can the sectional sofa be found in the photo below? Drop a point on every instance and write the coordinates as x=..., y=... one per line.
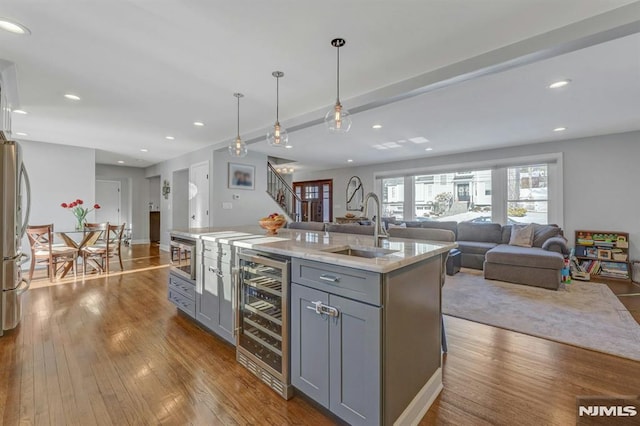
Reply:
x=486, y=246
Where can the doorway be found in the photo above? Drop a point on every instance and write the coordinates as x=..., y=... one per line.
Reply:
x=108, y=197
x=319, y=197
x=199, y=195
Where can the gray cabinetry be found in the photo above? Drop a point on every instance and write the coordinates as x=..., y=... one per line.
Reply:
x=182, y=294
x=214, y=298
x=336, y=341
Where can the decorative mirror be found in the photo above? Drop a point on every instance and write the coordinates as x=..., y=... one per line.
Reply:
x=355, y=194
x=166, y=189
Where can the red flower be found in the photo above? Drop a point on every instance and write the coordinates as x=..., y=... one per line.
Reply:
x=73, y=204
x=79, y=202
x=96, y=206
x=64, y=205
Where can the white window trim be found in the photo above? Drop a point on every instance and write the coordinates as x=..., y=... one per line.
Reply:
x=498, y=182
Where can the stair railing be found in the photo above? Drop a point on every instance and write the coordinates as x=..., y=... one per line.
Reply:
x=284, y=196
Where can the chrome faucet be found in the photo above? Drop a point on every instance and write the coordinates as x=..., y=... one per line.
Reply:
x=379, y=233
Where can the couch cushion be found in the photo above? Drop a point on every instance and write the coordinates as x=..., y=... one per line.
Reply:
x=506, y=234
x=475, y=247
x=533, y=257
x=349, y=228
x=521, y=235
x=542, y=233
x=430, y=224
x=485, y=232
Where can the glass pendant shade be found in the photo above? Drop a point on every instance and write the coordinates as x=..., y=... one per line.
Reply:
x=238, y=148
x=278, y=135
x=338, y=119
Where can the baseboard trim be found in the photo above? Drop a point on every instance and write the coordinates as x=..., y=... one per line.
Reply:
x=164, y=247
x=419, y=406
x=142, y=241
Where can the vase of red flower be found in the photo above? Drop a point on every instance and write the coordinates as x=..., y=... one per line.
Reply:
x=79, y=211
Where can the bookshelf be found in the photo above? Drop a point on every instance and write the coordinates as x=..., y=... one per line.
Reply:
x=603, y=254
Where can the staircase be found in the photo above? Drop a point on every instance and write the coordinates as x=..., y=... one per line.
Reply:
x=283, y=195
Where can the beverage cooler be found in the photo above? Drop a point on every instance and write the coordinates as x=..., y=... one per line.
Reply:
x=263, y=319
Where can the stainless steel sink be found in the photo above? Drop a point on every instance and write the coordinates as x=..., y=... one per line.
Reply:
x=368, y=252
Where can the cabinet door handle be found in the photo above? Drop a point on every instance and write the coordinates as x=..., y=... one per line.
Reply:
x=322, y=309
x=212, y=269
x=330, y=278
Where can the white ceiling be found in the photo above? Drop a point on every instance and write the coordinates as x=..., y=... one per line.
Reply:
x=148, y=69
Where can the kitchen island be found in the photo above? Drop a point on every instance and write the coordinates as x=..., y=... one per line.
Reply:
x=365, y=321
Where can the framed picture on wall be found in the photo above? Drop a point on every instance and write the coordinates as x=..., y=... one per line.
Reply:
x=241, y=176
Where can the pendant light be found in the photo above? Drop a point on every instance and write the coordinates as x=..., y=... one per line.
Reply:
x=238, y=148
x=278, y=136
x=338, y=119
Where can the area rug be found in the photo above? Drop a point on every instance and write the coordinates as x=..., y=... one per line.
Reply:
x=583, y=314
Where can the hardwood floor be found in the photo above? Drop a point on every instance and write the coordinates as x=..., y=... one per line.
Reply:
x=113, y=350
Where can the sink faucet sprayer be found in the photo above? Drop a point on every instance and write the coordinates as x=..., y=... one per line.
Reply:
x=379, y=233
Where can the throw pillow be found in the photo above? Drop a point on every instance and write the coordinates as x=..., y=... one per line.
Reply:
x=402, y=225
x=521, y=235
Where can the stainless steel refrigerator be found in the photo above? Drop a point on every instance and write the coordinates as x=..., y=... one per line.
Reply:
x=14, y=185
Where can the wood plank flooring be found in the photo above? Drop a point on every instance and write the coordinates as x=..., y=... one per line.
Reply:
x=112, y=350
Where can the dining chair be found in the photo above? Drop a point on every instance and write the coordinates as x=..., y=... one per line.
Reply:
x=108, y=246
x=43, y=251
x=114, y=235
x=96, y=253
x=430, y=234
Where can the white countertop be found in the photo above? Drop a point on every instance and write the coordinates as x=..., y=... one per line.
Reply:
x=317, y=246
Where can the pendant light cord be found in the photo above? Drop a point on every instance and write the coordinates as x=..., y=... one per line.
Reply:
x=238, y=117
x=338, y=75
x=277, y=99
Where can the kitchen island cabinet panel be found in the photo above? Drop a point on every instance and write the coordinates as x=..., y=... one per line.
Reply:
x=309, y=344
x=355, y=361
x=214, y=301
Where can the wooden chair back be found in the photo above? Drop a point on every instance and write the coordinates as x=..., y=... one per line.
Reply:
x=114, y=237
x=40, y=239
x=103, y=227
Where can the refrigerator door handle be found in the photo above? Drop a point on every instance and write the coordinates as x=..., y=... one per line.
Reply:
x=21, y=290
x=25, y=223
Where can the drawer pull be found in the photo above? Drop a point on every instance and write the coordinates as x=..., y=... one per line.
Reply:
x=330, y=278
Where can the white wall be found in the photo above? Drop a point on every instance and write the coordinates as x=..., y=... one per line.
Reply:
x=600, y=178
x=248, y=205
x=247, y=209
x=180, y=199
x=134, y=195
x=155, y=192
x=58, y=174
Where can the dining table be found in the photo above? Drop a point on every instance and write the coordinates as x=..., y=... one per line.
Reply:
x=82, y=239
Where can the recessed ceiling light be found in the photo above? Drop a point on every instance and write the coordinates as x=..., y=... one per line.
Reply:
x=72, y=97
x=377, y=126
x=428, y=149
x=288, y=146
x=20, y=111
x=22, y=134
x=419, y=139
x=198, y=123
x=349, y=160
x=169, y=138
x=120, y=162
x=13, y=27
x=558, y=84
x=559, y=129
x=144, y=150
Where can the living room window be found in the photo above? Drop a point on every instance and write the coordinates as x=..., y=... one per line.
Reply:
x=511, y=191
x=528, y=193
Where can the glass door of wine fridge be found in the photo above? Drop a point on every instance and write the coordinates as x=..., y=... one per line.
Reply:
x=262, y=319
